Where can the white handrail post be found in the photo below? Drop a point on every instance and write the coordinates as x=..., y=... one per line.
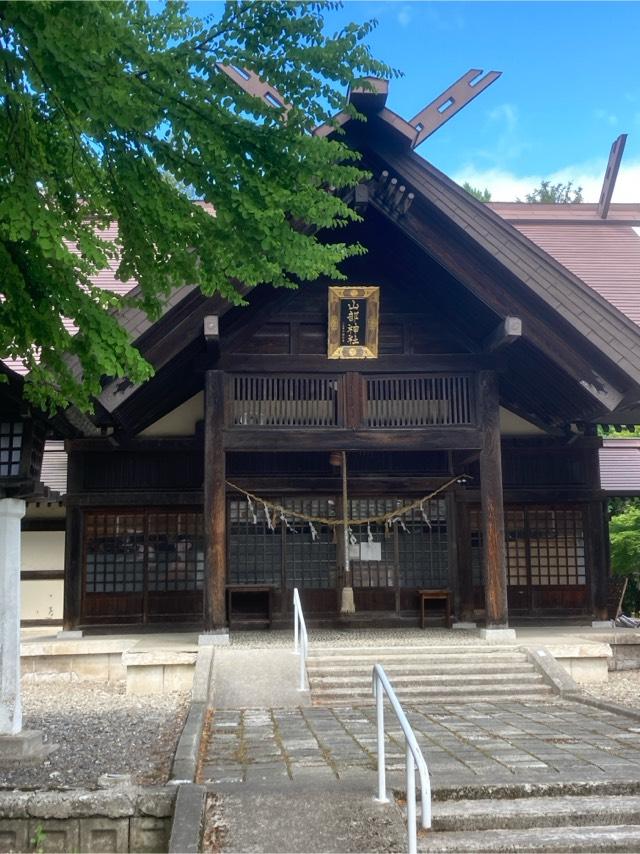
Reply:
x=411, y=801
x=382, y=771
x=296, y=617
x=303, y=653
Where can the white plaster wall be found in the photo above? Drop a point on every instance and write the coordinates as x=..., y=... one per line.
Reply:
x=179, y=422
x=42, y=600
x=512, y=425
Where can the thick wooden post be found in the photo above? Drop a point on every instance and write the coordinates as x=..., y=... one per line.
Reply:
x=74, y=566
x=215, y=505
x=492, y=508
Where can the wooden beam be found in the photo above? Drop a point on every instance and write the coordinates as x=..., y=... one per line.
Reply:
x=492, y=505
x=451, y=101
x=215, y=506
x=328, y=439
x=610, y=176
x=504, y=334
x=370, y=96
x=253, y=85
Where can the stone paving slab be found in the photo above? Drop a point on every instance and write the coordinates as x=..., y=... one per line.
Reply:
x=475, y=743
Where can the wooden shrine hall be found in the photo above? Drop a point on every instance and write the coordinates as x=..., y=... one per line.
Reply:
x=460, y=372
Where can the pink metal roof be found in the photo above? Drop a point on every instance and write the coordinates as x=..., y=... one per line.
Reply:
x=620, y=466
x=605, y=254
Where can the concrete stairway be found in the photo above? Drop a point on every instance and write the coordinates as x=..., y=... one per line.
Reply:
x=538, y=824
x=439, y=674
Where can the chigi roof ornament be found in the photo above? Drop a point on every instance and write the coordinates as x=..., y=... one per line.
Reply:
x=370, y=98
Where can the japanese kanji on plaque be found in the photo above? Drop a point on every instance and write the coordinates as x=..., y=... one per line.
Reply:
x=353, y=322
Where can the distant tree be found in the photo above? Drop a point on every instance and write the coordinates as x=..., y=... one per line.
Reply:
x=554, y=194
x=476, y=192
x=624, y=535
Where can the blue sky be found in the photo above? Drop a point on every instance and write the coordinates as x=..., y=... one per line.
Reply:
x=570, y=85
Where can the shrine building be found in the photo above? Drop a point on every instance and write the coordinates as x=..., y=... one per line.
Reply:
x=460, y=370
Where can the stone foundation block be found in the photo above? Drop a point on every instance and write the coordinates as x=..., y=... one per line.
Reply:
x=54, y=835
x=14, y=835
x=147, y=834
x=104, y=835
x=25, y=746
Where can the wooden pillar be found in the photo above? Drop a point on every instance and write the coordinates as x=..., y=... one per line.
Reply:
x=215, y=503
x=74, y=565
x=492, y=509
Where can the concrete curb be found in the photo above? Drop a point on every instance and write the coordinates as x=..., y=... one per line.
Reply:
x=185, y=761
x=188, y=819
x=553, y=673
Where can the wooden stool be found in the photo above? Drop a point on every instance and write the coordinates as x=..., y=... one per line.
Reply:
x=435, y=594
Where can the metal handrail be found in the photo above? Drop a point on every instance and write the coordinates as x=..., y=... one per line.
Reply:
x=413, y=759
x=300, y=637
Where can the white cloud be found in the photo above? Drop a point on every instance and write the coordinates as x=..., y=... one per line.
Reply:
x=507, y=186
x=506, y=114
x=604, y=116
x=404, y=16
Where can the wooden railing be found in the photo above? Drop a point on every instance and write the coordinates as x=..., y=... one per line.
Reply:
x=284, y=401
x=350, y=400
x=418, y=401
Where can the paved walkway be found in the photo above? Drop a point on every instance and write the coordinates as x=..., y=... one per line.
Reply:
x=468, y=744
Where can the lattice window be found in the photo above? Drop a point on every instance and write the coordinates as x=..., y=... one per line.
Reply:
x=424, y=551
x=310, y=563
x=544, y=546
x=123, y=549
x=115, y=552
x=516, y=547
x=11, y=438
x=255, y=552
x=381, y=571
x=557, y=546
x=175, y=551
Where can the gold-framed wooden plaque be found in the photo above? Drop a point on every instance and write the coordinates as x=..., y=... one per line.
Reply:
x=354, y=314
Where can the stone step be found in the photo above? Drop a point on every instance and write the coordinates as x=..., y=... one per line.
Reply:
x=462, y=651
x=563, y=840
x=389, y=658
x=326, y=680
x=393, y=669
x=434, y=696
x=523, y=813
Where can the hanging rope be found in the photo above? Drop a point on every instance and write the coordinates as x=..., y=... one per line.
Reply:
x=384, y=519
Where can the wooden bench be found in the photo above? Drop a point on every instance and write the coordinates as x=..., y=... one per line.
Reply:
x=429, y=595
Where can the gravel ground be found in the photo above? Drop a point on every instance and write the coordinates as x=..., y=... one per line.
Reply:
x=99, y=729
x=359, y=637
x=623, y=687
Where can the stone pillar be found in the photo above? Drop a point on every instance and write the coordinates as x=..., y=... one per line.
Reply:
x=11, y=512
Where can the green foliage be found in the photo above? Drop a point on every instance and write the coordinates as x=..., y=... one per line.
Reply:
x=38, y=839
x=554, y=194
x=480, y=195
x=99, y=103
x=619, y=431
x=624, y=534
